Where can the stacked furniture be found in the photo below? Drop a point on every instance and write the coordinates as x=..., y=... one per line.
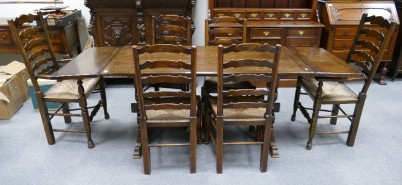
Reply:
x=285, y=22
x=341, y=19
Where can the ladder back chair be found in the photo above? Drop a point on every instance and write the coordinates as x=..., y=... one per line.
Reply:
x=231, y=30
x=236, y=107
x=363, y=54
x=40, y=61
x=166, y=107
x=171, y=29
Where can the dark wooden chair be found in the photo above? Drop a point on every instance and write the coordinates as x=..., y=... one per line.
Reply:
x=236, y=107
x=171, y=29
x=231, y=30
x=40, y=61
x=365, y=55
x=166, y=107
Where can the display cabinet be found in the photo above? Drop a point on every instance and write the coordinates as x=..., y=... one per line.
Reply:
x=341, y=19
x=396, y=65
x=126, y=22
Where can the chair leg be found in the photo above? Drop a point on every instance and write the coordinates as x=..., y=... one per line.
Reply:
x=356, y=120
x=316, y=109
x=296, y=100
x=265, y=145
x=145, y=147
x=219, y=144
x=66, y=110
x=335, y=111
x=193, y=145
x=103, y=97
x=205, y=117
x=47, y=125
x=84, y=112
x=199, y=119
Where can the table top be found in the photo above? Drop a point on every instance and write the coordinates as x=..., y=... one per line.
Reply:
x=294, y=61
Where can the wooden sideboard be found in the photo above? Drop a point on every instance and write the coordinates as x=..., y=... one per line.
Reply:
x=341, y=19
x=64, y=39
x=127, y=22
x=285, y=22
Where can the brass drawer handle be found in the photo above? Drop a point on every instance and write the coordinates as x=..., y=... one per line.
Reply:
x=287, y=15
x=270, y=15
x=342, y=56
x=266, y=33
x=230, y=34
x=344, y=43
x=303, y=15
x=4, y=37
x=301, y=32
x=346, y=32
x=221, y=14
x=237, y=15
x=254, y=15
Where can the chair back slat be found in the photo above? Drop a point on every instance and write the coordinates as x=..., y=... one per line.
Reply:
x=165, y=79
x=246, y=77
x=165, y=64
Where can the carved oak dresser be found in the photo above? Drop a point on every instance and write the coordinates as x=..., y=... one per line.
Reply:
x=126, y=22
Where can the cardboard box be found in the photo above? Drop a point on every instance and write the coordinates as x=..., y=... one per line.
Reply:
x=13, y=88
x=44, y=86
x=70, y=17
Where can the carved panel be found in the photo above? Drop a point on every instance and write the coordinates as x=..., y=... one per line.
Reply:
x=117, y=30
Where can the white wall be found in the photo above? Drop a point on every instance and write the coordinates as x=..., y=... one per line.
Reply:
x=200, y=12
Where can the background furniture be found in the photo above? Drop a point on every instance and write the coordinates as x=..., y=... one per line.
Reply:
x=34, y=51
x=335, y=92
x=128, y=22
x=285, y=22
x=341, y=19
x=64, y=39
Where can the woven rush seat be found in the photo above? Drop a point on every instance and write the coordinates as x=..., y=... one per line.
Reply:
x=168, y=115
x=240, y=114
x=67, y=89
x=331, y=91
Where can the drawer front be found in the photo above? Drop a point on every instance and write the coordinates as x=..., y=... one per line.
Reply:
x=301, y=33
x=303, y=15
x=342, y=43
x=6, y=37
x=270, y=15
x=265, y=33
x=55, y=36
x=254, y=15
x=220, y=13
x=300, y=42
x=351, y=32
x=345, y=32
x=237, y=14
x=287, y=15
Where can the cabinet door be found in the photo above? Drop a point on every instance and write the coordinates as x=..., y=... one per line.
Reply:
x=116, y=30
